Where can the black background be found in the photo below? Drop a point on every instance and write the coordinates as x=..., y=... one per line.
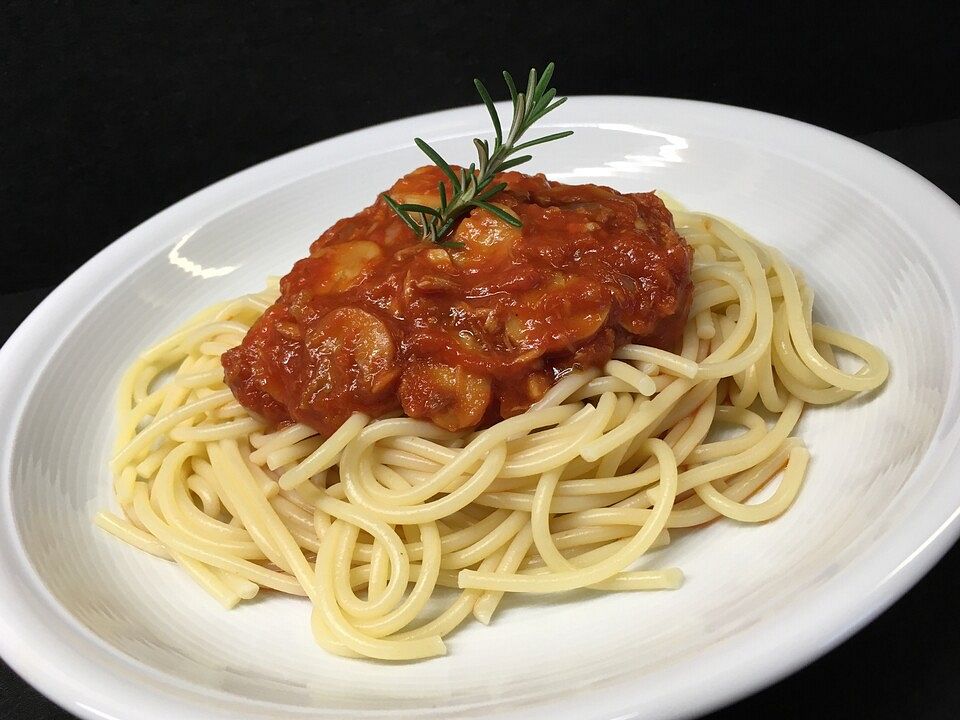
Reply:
x=111, y=112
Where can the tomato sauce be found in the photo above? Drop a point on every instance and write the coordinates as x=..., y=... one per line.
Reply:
x=376, y=319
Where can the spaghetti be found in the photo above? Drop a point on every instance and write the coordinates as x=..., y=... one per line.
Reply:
x=369, y=522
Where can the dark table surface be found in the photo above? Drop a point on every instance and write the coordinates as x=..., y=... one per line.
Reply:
x=113, y=114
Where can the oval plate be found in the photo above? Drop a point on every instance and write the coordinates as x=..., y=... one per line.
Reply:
x=109, y=632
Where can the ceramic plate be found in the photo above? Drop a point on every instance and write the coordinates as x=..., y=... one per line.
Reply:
x=109, y=632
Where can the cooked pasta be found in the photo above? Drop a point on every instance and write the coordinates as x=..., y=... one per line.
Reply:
x=373, y=521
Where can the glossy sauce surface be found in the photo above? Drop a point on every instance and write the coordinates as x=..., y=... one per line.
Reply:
x=376, y=320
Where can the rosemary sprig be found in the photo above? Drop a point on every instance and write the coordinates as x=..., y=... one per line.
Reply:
x=471, y=187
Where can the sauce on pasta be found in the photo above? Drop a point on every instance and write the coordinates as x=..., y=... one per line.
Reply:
x=377, y=320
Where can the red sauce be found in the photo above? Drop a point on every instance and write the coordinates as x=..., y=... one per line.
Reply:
x=376, y=319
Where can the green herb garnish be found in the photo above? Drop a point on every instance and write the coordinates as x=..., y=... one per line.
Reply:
x=471, y=187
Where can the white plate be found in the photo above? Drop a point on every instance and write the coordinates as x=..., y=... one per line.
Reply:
x=109, y=632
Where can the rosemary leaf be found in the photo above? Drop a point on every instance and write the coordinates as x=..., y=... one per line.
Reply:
x=508, y=78
x=545, y=138
x=499, y=212
x=494, y=117
x=490, y=192
x=437, y=160
x=514, y=162
x=422, y=209
x=545, y=80
x=411, y=223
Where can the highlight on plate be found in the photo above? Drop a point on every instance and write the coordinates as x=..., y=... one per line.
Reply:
x=484, y=383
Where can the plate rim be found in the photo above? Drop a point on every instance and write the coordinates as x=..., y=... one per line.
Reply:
x=96, y=695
